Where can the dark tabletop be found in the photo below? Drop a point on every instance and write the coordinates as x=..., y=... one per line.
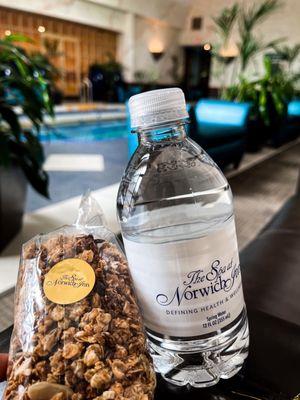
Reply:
x=258, y=380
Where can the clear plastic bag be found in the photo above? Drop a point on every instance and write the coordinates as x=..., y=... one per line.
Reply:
x=78, y=333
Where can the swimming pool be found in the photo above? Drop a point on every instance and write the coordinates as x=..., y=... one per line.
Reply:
x=85, y=132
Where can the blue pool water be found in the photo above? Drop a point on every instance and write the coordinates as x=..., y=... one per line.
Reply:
x=85, y=132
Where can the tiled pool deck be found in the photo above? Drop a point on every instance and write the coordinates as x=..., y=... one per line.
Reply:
x=66, y=184
x=74, y=112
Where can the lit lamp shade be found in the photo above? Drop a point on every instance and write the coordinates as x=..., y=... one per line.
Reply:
x=156, y=48
x=229, y=52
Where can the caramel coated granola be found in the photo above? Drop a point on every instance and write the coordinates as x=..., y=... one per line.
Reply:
x=92, y=349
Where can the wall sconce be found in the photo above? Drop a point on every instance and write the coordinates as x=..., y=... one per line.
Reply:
x=229, y=52
x=41, y=29
x=156, y=49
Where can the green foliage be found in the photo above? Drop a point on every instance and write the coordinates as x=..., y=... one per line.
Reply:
x=224, y=24
x=255, y=14
x=244, y=91
x=269, y=95
x=247, y=19
x=225, y=21
x=287, y=53
x=110, y=66
x=22, y=87
x=249, y=45
x=42, y=63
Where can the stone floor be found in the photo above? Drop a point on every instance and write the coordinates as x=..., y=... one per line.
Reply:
x=65, y=184
x=261, y=190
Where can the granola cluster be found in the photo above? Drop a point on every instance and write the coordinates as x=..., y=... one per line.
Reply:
x=92, y=349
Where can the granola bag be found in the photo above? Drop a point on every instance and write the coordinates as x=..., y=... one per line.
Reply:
x=78, y=333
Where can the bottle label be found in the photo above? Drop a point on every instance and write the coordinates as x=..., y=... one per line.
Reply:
x=188, y=288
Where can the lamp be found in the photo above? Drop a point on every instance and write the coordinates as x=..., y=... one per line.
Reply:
x=41, y=29
x=229, y=52
x=156, y=49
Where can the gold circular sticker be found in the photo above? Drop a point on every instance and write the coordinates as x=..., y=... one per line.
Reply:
x=69, y=281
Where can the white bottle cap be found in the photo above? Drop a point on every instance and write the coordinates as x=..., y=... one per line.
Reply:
x=157, y=107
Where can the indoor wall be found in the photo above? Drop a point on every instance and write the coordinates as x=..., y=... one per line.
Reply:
x=282, y=23
x=157, y=36
x=137, y=22
x=70, y=46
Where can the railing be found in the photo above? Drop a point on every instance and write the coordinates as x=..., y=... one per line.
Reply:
x=86, y=91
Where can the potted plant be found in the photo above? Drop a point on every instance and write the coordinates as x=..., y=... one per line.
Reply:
x=268, y=89
x=107, y=80
x=50, y=73
x=238, y=54
x=23, y=90
x=269, y=96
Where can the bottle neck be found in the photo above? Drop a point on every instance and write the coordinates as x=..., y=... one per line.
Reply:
x=175, y=131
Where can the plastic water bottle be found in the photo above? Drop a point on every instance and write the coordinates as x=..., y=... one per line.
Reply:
x=176, y=215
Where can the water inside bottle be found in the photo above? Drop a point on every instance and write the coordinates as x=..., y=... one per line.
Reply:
x=176, y=213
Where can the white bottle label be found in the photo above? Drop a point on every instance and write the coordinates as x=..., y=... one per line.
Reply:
x=188, y=288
